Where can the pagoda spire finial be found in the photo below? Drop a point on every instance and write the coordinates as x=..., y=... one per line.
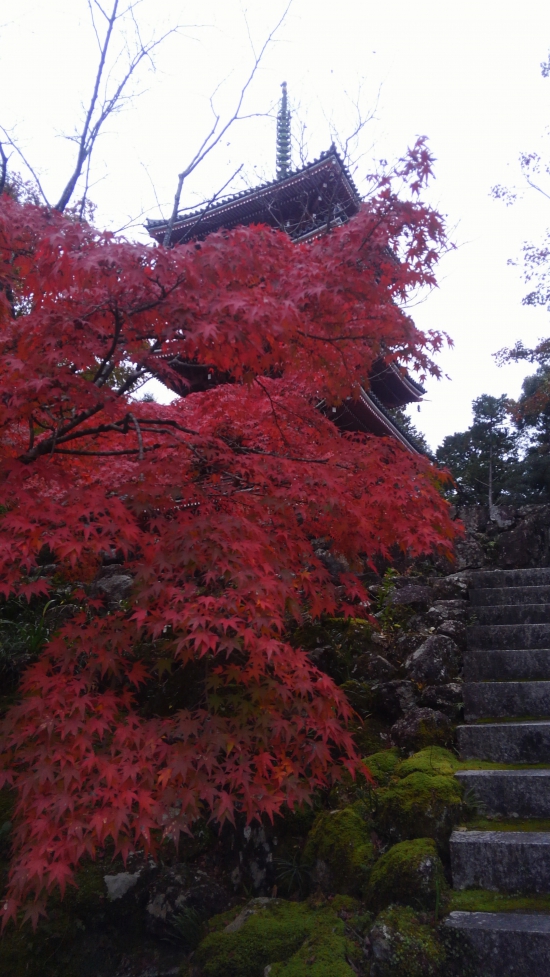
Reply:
x=284, y=149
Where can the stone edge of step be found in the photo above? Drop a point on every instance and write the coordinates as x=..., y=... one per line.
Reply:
x=504, y=922
x=515, y=838
x=543, y=772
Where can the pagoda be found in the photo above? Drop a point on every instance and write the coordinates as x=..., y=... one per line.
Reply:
x=303, y=203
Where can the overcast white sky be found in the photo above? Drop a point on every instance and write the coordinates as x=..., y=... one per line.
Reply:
x=467, y=75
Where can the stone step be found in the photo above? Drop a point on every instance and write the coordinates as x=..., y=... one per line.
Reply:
x=508, y=636
x=507, y=664
x=536, y=577
x=504, y=861
x=510, y=793
x=505, y=944
x=484, y=700
x=513, y=614
x=510, y=595
x=525, y=742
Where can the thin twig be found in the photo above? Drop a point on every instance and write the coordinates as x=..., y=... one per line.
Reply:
x=214, y=136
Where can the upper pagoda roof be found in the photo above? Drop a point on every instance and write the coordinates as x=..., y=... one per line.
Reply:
x=303, y=203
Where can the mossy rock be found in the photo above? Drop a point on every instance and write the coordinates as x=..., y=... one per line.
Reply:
x=404, y=946
x=411, y=873
x=433, y=760
x=292, y=938
x=420, y=806
x=340, y=851
x=382, y=765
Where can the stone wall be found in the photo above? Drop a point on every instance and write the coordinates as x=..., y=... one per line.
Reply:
x=508, y=538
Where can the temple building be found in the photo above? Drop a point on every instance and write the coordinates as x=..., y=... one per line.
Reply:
x=304, y=203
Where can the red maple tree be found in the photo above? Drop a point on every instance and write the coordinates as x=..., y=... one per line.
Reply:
x=213, y=503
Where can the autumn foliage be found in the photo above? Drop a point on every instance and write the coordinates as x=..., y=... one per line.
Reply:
x=213, y=503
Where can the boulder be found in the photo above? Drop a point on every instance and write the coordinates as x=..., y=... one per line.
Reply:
x=437, y=661
x=276, y=937
x=113, y=584
x=403, y=946
x=393, y=699
x=455, y=630
x=445, y=698
x=340, y=851
x=376, y=667
x=118, y=885
x=413, y=596
x=420, y=805
x=410, y=873
x=422, y=727
x=528, y=544
x=448, y=610
x=452, y=587
x=469, y=554
x=179, y=900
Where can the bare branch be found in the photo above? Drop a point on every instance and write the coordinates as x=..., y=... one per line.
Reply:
x=19, y=151
x=194, y=227
x=215, y=135
x=3, y=169
x=97, y=113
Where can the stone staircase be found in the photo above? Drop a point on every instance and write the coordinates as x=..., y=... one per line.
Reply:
x=507, y=710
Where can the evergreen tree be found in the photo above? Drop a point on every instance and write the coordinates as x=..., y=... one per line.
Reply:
x=484, y=459
x=284, y=150
x=404, y=421
x=533, y=421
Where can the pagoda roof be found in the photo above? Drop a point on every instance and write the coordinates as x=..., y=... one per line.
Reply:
x=393, y=386
x=301, y=204
x=369, y=415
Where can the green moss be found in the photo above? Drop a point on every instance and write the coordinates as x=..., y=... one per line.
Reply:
x=507, y=824
x=341, y=841
x=407, y=947
x=370, y=735
x=323, y=955
x=293, y=938
x=344, y=904
x=482, y=901
x=420, y=806
x=410, y=873
x=382, y=765
x=433, y=760
x=475, y=764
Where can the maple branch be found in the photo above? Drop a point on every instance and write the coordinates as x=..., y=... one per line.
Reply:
x=139, y=437
x=284, y=439
x=101, y=377
x=213, y=137
x=122, y=451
